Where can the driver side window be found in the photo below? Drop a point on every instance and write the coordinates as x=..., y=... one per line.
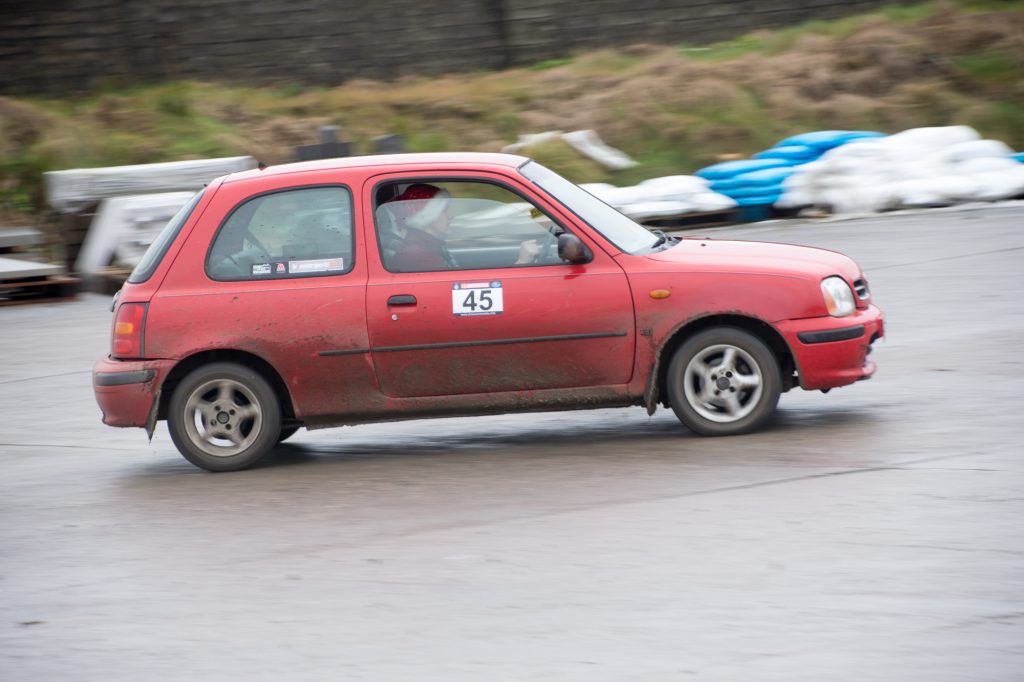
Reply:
x=292, y=233
x=461, y=225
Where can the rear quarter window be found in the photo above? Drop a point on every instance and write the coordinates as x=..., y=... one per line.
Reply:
x=303, y=232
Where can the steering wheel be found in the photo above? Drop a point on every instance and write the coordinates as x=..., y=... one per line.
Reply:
x=549, y=240
x=251, y=238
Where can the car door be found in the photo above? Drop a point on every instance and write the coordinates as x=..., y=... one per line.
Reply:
x=481, y=322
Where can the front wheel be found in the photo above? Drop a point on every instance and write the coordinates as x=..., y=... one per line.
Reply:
x=224, y=417
x=723, y=381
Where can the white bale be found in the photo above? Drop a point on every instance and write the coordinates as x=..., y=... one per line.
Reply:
x=652, y=210
x=976, y=149
x=680, y=184
x=942, y=136
x=852, y=166
x=796, y=198
x=598, y=189
x=919, y=169
x=918, y=194
x=947, y=188
x=853, y=181
x=661, y=197
x=869, y=148
x=622, y=196
x=986, y=165
x=1000, y=185
x=915, y=168
x=863, y=199
x=711, y=201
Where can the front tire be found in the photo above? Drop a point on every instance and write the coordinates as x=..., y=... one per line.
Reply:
x=723, y=382
x=224, y=417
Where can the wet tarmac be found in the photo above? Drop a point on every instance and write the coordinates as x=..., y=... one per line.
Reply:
x=874, y=533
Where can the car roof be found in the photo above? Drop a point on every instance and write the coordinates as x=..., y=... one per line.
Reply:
x=396, y=161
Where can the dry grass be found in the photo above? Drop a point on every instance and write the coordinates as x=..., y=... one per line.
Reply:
x=672, y=109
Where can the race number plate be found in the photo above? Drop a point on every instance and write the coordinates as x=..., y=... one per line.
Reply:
x=477, y=298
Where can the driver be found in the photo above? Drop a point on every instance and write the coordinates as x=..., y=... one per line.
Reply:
x=425, y=211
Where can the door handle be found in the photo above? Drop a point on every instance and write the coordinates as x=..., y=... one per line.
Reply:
x=402, y=299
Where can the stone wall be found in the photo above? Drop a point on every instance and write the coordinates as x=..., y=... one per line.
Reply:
x=56, y=46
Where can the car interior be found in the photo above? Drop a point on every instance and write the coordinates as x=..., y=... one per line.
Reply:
x=485, y=231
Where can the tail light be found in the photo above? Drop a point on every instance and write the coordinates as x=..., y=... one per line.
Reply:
x=129, y=324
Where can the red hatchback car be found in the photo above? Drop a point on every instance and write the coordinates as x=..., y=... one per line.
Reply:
x=400, y=287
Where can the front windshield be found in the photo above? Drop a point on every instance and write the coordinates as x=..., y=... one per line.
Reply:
x=616, y=228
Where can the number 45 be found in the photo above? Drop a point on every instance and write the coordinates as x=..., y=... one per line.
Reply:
x=485, y=302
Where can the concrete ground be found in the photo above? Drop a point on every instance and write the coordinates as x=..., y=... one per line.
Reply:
x=874, y=533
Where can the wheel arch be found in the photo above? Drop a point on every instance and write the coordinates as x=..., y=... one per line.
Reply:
x=246, y=359
x=656, y=386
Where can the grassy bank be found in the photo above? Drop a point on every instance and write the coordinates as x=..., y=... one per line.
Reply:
x=673, y=109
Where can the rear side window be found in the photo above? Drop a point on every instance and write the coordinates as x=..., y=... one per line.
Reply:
x=156, y=251
x=303, y=232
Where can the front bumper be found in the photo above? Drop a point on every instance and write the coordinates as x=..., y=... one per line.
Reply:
x=126, y=390
x=833, y=351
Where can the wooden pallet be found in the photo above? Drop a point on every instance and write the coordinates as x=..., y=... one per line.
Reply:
x=37, y=289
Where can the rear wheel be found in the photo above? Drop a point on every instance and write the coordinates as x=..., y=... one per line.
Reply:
x=724, y=381
x=224, y=417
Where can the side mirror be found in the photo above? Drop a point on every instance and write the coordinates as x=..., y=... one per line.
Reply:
x=572, y=250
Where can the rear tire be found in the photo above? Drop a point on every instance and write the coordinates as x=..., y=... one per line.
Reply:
x=224, y=417
x=724, y=381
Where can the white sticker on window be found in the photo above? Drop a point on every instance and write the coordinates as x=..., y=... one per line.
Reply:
x=301, y=267
x=477, y=298
x=261, y=268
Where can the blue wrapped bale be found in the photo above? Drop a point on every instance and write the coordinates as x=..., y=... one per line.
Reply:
x=823, y=140
x=729, y=169
x=797, y=153
x=764, y=199
x=754, y=185
x=1019, y=157
x=766, y=176
x=749, y=191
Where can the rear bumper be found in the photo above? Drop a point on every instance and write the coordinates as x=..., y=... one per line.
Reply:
x=126, y=389
x=833, y=351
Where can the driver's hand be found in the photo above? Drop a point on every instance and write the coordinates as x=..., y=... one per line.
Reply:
x=528, y=252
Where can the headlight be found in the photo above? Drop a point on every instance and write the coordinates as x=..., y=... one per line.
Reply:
x=838, y=297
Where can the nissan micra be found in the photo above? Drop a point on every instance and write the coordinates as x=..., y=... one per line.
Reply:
x=379, y=288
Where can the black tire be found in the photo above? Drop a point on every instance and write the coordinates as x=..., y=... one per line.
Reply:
x=287, y=433
x=723, y=381
x=224, y=417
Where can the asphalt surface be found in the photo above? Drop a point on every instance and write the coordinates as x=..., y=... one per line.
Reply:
x=874, y=533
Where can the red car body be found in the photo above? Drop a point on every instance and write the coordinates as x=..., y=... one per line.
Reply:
x=349, y=348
